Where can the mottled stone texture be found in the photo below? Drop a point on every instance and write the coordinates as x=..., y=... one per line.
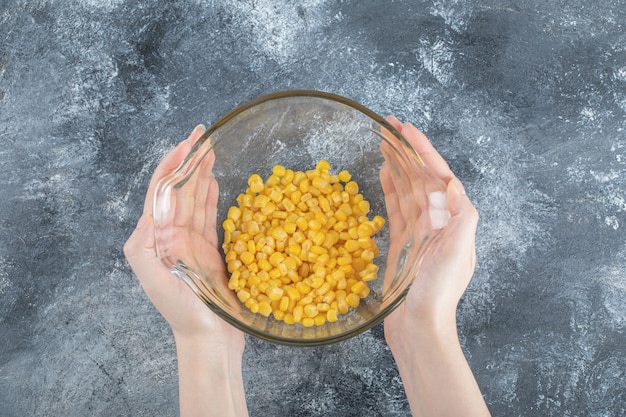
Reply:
x=525, y=99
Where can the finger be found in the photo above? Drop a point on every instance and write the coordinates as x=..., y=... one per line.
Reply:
x=461, y=229
x=210, y=225
x=433, y=160
x=397, y=222
x=140, y=253
x=201, y=192
x=393, y=121
x=170, y=162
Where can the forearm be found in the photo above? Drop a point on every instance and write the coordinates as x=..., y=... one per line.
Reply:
x=436, y=376
x=210, y=379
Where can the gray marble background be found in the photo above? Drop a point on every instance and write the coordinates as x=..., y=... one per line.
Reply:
x=525, y=99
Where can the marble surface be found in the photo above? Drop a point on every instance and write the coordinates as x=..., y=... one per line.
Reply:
x=525, y=99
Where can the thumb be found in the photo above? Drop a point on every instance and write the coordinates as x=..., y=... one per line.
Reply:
x=139, y=247
x=460, y=232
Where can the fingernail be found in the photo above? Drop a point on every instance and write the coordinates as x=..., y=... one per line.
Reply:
x=458, y=185
x=200, y=126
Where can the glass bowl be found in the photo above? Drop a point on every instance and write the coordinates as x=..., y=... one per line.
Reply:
x=296, y=129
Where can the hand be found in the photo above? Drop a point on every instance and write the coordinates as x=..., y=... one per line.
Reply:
x=187, y=315
x=448, y=267
x=421, y=332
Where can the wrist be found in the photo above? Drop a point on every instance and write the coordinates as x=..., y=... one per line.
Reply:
x=423, y=332
x=209, y=346
x=210, y=376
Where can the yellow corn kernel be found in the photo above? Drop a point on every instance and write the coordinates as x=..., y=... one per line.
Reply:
x=290, y=263
x=304, y=185
x=308, y=322
x=245, y=200
x=322, y=307
x=305, y=300
x=288, y=176
x=255, y=182
x=371, y=276
x=294, y=249
x=246, y=258
x=298, y=312
x=264, y=265
x=365, y=242
x=304, y=270
x=288, y=319
x=378, y=222
x=329, y=297
x=298, y=176
x=367, y=255
x=254, y=281
x=229, y=225
x=263, y=287
x=276, y=258
x=319, y=319
x=276, y=195
x=317, y=282
x=322, y=165
x=324, y=203
x=279, y=233
x=358, y=287
x=265, y=308
x=243, y=295
x=234, y=213
x=284, y=303
x=364, y=206
x=342, y=284
x=344, y=176
x=254, y=307
x=310, y=310
x=351, y=245
x=342, y=305
x=353, y=300
x=331, y=315
x=274, y=293
x=272, y=181
x=323, y=289
x=319, y=183
x=279, y=215
x=279, y=170
x=278, y=314
x=303, y=288
x=233, y=265
x=293, y=293
x=365, y=230
x=288, y=205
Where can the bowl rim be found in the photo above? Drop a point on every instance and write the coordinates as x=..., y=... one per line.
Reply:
x=182, y=273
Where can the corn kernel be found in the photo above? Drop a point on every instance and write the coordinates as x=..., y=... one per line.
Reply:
x=243, y=295
x=310, y=310
x=319, y=319
x=358, y=287
x=344, y=176
x=353, y=300
x=308, y=322
x=298, y=312
x=378, y=222
x=331, y=315
x=265, y=308
x=229, y=225
x=274, y=293
x=303, y=288
x=279, y=170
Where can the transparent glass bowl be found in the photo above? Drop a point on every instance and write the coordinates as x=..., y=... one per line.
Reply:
x=296, y=129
